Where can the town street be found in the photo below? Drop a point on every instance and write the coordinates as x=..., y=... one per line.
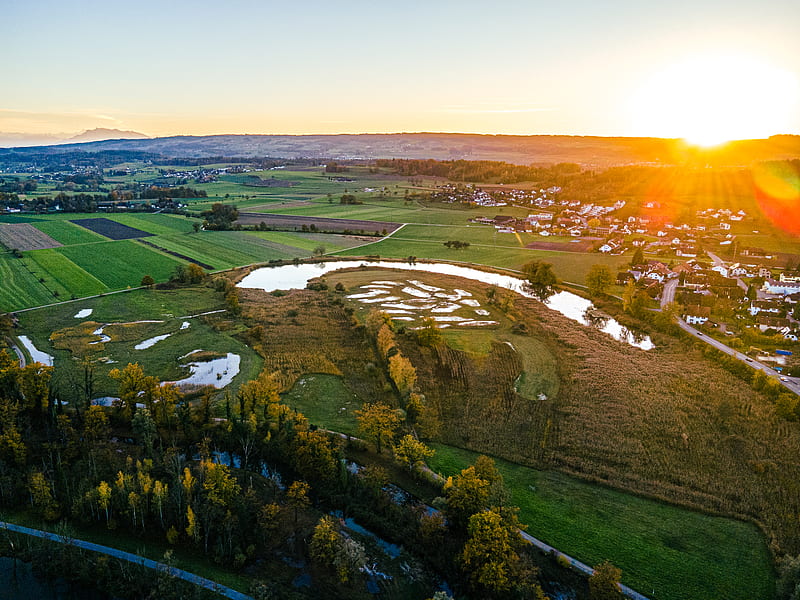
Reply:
x=790, y=383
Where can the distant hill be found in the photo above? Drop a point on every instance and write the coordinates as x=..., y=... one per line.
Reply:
x=99, y=134
x=590, y=152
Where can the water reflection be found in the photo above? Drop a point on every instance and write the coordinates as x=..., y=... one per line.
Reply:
x=568, y=304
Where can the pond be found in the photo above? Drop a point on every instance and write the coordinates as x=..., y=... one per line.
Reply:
x=568, y=304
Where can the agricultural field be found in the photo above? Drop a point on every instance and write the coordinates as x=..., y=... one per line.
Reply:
x=113, y=230
x=24, y=236
x=120, y=264
x=67, y=277
x=68, y=233
x=20, y=287
x=83, y=262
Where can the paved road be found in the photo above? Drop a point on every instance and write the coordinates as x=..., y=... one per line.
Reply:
x=792, y=383
x=132, y=558
x=547, y=548
x=18, y=351
x=668, y=293
x=626, y=591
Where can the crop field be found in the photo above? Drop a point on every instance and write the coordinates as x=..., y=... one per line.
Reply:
x=20, y=288
x=24, y=236
x=157, y=224
x=664, y=551
x=69, y=234
x=111, y=229
x=226, y=249
x=323, y=223
x=383, y=210
x=120, y=264
x=311, y=241
x=70, y=279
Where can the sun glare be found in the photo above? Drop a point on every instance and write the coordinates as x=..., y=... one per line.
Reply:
x=712, y=99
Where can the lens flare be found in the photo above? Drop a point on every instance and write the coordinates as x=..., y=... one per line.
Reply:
x=777, y=189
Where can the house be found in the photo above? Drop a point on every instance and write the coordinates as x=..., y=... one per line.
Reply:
x=769, y=322
x=794, y=278
x=783, y=288
x=765, y=306
x=697, y=315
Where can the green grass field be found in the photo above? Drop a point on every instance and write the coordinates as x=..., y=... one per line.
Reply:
x=569, y=266
x=20, y=289
x=325, y=401
x=68, y=233
x=226, y=249
x=665, y=552
x=120, y=264
x=308, y=241
x=71, y=279
x=158, y=224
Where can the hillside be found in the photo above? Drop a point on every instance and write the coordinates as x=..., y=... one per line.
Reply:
x=587, y=151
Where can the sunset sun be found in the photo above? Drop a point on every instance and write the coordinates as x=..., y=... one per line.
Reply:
x=710, y=99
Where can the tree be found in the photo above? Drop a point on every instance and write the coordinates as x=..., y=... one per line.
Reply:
x=402, y=373
x=145, y=429
x=638, y=257
x=297, y=497
x=466, y=494
x=221, y=216
x=148, y=281
x=599, y=279
x=541, y=280
x=377, y=422
x=410, y=451
x=490, y=554
x=633, y=299
x=604, y=583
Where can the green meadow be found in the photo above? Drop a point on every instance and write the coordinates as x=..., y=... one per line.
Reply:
x=664, y=551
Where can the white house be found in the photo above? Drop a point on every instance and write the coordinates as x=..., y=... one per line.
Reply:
x=784, y=288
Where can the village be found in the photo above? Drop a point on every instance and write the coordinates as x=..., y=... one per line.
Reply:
x=750, y=299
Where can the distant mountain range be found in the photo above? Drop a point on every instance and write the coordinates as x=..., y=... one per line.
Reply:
x=536, y=149
x=11, y=140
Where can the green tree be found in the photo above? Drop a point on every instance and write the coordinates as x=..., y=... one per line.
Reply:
x=541, y=280
x=599, y=279
x=638, y=257
x=148, y=281
x=604, y=583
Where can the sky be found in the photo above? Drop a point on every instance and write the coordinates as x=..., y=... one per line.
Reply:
x=578, y=67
